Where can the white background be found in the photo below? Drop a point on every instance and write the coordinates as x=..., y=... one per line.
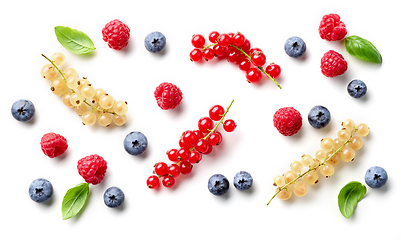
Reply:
x=188, y=210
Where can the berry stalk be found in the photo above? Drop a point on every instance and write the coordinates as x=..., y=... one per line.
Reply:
x=219, y=122
x=314, y=168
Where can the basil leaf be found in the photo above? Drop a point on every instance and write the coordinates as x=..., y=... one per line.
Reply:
x=74, y=200
x=349, y=196
x=73, y=40
x=362, y=49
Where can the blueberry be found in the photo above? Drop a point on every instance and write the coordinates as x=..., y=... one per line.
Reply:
x=218, y=184
x=23, y=110
x=155, y=42
x=40, y=190
x=295, y=47
x=243, y=180
x=113, y=197
x=376, y=177
x=135, y=143
x=357, y=88
x=319, y=117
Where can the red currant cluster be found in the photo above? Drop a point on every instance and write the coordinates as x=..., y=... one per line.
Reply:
x=193, y=145
x=236, y=49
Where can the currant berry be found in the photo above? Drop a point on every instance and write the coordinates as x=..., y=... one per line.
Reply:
x=195, y=55
x=243, y=63
x=203, y=146
x=185, y=167
x=195, y=157
x=172, y=155
x=215, y=139
x=168, y=181
x=216, y=112
x=198, y=40
x=208, y=54
x=232, y=55
x=198, y=134
x=258, y=58
x=189, y=138
x=253, y=75
x=220, y=51
x=152, y=181
x=224, y=40
x=161, y=168
x=252, y=50
x=173, y=170
x=246, y=46
x=229, y=125
x=238, y=39
x=205, y=124
x=213, y=36
x=183, y=154
x=273, y=70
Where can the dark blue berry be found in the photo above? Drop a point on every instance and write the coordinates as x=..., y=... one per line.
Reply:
x=135, y=143
x=243, y=180
x=113, y=197
x=376, y=177
x=295, y=47
x=319, y=117
x=357, y=88
x=40, y=190
x=218, y=184
x=155, y=42
x=23, y=110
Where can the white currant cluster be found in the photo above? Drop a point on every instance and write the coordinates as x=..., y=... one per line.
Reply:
x=93, y=105
x=296, y=180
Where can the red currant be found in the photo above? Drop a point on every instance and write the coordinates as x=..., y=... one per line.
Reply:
x=232, y=54
x=205, y=124
x=208, y=54
x=172, y=155
x=246, y=46
x=220, y=51
x=273, y=70
x=173, y=170
x=252, y=50
x=183, y=154
x=195, y=157
x=213, y=36
x=229, y=125
x=216, y=112
x=253, y=75
x=195, y=55
x=238, y=39
x=243, y=63
x=258, y=58
x=198, y=40
x=185, y=167
x=202, y=146
x=168, y=181
x=215, y=139
x=161, y=168
x=231, y=35
x=189, y=138
x=198, y=134
x=183, y=144
x=224, y=40
x=152, y=181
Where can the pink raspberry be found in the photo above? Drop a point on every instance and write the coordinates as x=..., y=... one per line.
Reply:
x=287, y=120
x=168, y=96
x=333, y=64
x=116, y=34
x=331, y=28
x=53, y=144
x=92, y=168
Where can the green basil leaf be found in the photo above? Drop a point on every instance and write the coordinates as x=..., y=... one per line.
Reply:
x=73, y=40
x=362, y=49
x=74, y=200
x=349, y=196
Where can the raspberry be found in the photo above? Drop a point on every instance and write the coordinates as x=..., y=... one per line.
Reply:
x=331, y=28
x=92, y=168
x=287, y=120
x=333, y=64
x=116, y=34
x=53, y=144
x=168, y=96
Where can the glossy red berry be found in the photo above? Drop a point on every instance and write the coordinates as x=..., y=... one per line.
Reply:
x=183, y=154
x=273, y=70
x=258, y=58
x=185, y=167
x=238, y=39
x=220, y=51
x=198, y=134
x=173, y=170
x=168, y=181
x=195, y=157
x=189, y=138
x=224, y=40
x=208, y=54
x=216, y=112
x=232, y=55
x=152, y=181
x=246, y=47
x=198, y=41
x=160, y=168
x=203, y=146
x=195, y=55
x=229, y=125
x=215, y=139
x=243, y=63
x=253, y=75
x=205, y=124
x=172, y=155
x=252, y=50
x=213, y=36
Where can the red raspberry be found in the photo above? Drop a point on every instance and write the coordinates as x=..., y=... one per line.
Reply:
x=333, y=64
x=168, y=96
x=116, y=34
x=287, y=120
x=53, y=144
x=331, y=28
x=92, y=168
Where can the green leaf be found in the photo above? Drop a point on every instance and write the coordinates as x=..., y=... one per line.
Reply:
x=349, y=196
x=73, y=40
x=74, y=200
x=362, y=49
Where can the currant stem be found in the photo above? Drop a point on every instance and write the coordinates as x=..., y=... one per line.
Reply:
x=221, y=120
x=314, y=168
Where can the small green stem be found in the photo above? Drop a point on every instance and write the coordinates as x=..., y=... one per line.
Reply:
x=221, y=120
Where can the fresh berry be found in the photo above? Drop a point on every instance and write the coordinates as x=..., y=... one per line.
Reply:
x=295, y=47
x=168, y=96
x=53, y=144
x=218, y=184
x=168, y=181
x=205, y=124
x=287, y=120
x=331, y=28
x=185, y=167
x=273, y=70
x=215, y=138
x=213, y=36
x=198, y=40
x=376, y=177
x=319, y=116
x=195, y=55
x=135, y=143
x=183, y=154
x=92, y=168
x=253, y=75
x=40, y=190
x=208, y=54
x=229, y=125
x=216, y=112
x=333, y=64
x=243, y=63
x=203, y=146
x=23, y=110
x=155, y=42
x=357, y=88
x=172, y=155
x=253, y=50
x=243, y=180
x=116, y=34
x=224, y=40
x=190, y=138
x=220, y=51
x=152, y=181
x=173, y=170
x=232, y=55
x=161, y=168
x=195, y=157
x=246, y=46
x=238, y=39
x=113, y=197
x=258, y=58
